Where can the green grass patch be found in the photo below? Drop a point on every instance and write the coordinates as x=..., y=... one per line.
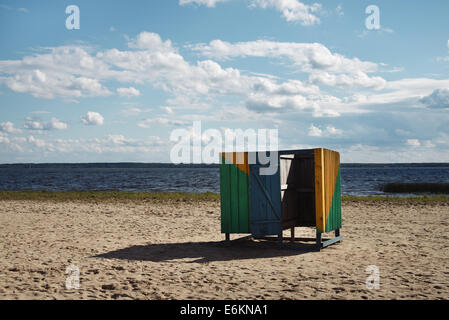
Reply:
x=434, y=188
x=178, y=196
x=107, y=195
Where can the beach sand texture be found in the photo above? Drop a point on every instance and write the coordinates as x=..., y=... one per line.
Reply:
x=173, y=250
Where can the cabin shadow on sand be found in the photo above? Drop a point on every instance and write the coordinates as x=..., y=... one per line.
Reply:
x=203, y=252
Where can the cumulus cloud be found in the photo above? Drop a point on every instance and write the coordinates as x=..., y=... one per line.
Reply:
x=8, y=127
x=4, y=139
x=324, y=66
x=92, y=119
x=149, y=59
x=66, y=71
x=315, y=131
x=38, y=125
x=38, y=142
x=128, y=92
x=292, y=10
x=413, y=142
x=328, y=131
x=439, y=99
x=151, y=41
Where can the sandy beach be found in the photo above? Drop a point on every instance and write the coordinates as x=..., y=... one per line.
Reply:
x=173, y=249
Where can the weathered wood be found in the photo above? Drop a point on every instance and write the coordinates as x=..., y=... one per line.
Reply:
x=320, y=202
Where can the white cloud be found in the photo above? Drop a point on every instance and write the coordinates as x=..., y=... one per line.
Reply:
x=207, y=3
x=205, y=84
x=38, y=142
x=168, y=110
x=339, y=10
x=128, y=92
x=193, y=85
x=133, y=111
x=38, y=125
x=405, y=92
x=292, y=10
x=57, y=124
x=315, y=131
x=110, y=144
x=161, y=121
x=324, y=67
x=93, y=119
x=4, y=138
x=439, y=99
x=8, y=127
x=67, y=71
x=6, y=7
x=366, y=32
x=333, y=131
x=413, y=142
x=329, y=131
x=150, y=41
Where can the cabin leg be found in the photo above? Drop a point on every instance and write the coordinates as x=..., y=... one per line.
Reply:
x=292, y=234
x=280, y=239
x=228, y=237
x=318, y=240
x=337, y=232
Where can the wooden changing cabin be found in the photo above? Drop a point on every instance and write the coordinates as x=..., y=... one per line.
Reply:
x=304, y=191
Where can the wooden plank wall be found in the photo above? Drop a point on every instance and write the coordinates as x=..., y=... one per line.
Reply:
x=234, y=193
x=327, y=165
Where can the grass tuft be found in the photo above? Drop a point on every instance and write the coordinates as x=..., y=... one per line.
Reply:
x=434, y=188
x=389, y=199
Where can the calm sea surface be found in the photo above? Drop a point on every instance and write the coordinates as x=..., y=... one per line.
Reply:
x=356, y=179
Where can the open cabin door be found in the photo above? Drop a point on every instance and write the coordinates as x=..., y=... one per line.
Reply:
x=297, y=189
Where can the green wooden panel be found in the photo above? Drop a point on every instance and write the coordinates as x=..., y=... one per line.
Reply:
x=243, y=190
x=234, y=181
x=225, y=198
x=334, y=218
x=234, y=198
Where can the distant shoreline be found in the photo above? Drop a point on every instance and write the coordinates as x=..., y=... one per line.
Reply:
x=171, y=165
x=179, y=196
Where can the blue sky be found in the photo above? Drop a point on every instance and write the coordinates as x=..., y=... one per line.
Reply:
x=116, y=88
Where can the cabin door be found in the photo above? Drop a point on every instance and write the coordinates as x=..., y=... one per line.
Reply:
x=265, y=208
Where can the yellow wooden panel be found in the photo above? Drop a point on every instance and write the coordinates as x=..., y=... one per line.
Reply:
x=320, y=202
x=327, y=163
x=331, y=167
